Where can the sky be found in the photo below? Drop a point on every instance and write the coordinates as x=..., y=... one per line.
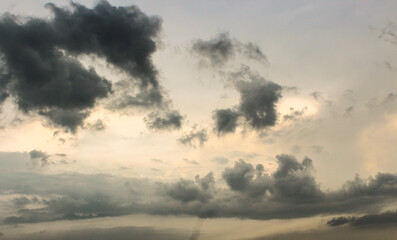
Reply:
x=198, y=119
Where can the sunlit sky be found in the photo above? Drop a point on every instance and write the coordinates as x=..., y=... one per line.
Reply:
x=198, y=119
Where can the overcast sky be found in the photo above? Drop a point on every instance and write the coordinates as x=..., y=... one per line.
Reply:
x=198, y=119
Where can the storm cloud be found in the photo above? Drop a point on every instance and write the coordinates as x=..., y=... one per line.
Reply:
x=40, y=69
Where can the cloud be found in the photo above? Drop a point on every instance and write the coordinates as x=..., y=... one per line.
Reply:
x=385, y=218
x=38, y=158
x=98, y=125
x=69, y=208
x=42, y=159
x=194, y=138
x=164, y=121
x=225, y=120
x=243, y=191
x=40, y=70
x=220, y=160
x=349, y=111
x=294, y=114
x=258, y=99
x=217, y=50
x=188, y=190
x=193, y=162
x=222, y=48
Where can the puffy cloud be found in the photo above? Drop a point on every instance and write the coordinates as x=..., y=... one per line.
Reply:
x=225, y=120
x=258, y=99
x=40, y=70
x=188, y=190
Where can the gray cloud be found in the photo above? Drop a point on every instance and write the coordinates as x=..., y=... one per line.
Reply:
x=38, y=158
x=349, y=111
x=188, y=190
x=225, y=120
x=333, y=234
x=385, y=218
x=98, y=125
x=40, y=70
x=291, y=191
x=294, y=114
x=42, y=159
x=220, y=160
x=220, y=49
x=258, y=99
x=164, y=121
x=193, y=162
x=194, y=138
x=217, y=50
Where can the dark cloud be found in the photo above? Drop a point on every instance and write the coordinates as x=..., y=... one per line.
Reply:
x=70, y=208
x=220, y=49
x=164, y=121
x=291, y=182
x=291, y=191
x=188, y=190
x=42, y=159
x=385, y=218
x=217, y=50
x=243, y=177
x=194, y=138
x=20, y=202
x=225, y=120
x=40, y=70
x=253, y=51
x=258, y=100
x=38, y=158
x=124, y=36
